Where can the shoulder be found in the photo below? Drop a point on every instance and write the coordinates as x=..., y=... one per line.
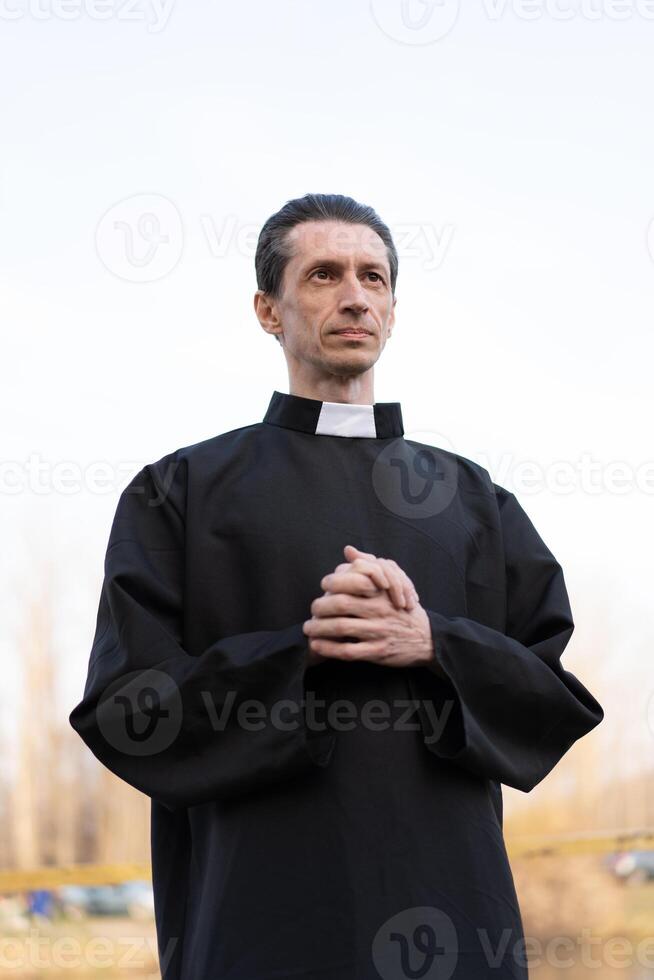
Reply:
x=211, y=448
x=171, y=474
x=471, y=476
x=495, y=505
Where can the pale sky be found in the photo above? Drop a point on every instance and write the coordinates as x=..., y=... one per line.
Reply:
x=508, y=146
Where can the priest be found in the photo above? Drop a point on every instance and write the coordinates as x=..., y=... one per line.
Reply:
x=321, y=648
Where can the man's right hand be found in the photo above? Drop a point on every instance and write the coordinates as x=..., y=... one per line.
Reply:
x=362, y=574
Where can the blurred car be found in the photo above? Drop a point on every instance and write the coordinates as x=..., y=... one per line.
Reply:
x=140, y=899
x=72, y=900
x=633, y=867
x=132, y=898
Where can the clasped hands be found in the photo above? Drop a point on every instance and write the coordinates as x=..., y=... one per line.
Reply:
x=372, y=602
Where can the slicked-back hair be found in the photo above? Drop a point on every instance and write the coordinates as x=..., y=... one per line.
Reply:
x=273, y=251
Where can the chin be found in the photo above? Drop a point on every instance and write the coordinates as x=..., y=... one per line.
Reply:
x=350, y=364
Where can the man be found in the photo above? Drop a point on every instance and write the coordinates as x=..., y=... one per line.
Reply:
x=321, y=648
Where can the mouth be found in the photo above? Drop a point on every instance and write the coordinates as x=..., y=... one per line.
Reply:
x=352, y=332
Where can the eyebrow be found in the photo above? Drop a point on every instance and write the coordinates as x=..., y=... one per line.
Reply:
x=338, y=264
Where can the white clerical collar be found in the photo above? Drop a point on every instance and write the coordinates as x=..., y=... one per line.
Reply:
x=346, y=419
x=383, y=420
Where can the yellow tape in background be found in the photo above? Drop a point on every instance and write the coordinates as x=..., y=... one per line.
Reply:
x=72, y=874
x=592, y=843
x=522, y=847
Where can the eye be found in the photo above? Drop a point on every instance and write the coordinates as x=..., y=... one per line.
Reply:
x=316, y=271
x=373, y=273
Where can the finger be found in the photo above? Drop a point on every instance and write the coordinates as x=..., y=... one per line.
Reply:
x=351, y=552
x=395, y=582
x=408, y=591
x=396, y=589
x=372, y=567
x=373, y=572
x=399, y=581
x=408, y=588
x=344, y=604
x=359, y=558
x=372, y=650
x=353, y=583
x=335, y=627
x=346, y=567
x=396, y=575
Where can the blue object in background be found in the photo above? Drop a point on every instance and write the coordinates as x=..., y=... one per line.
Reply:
x=40, y=902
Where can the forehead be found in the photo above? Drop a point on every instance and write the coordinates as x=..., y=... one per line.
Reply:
x=337, y=240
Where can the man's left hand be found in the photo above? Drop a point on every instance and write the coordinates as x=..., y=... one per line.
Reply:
x=384, y=634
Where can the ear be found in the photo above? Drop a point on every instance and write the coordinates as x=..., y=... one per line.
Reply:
x=266, y=311
x=391, y=318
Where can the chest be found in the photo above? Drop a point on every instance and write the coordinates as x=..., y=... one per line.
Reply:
x=262, y=534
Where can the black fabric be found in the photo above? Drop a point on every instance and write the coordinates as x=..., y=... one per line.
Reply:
x=300, y=413
x=315, y=846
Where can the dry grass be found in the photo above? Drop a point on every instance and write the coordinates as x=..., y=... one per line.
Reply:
x=563, y=895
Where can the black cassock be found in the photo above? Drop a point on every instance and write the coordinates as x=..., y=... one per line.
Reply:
x=341, y=821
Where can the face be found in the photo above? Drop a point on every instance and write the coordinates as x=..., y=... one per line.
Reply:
x=337, y=279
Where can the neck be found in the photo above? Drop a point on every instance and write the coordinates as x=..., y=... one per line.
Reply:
x=354, y=390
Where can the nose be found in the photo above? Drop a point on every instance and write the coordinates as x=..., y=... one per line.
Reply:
x=353, y=298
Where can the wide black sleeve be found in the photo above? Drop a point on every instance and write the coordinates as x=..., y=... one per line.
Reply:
x=502, y=705
x=177, y=726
